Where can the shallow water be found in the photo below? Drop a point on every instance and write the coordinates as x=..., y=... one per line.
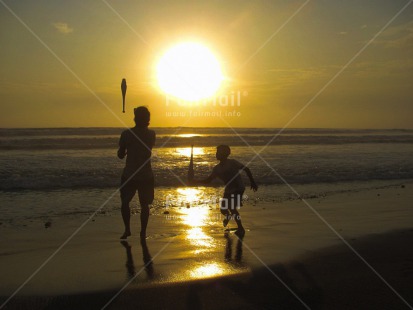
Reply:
x=35, y=207
x=67, y=158
x=297, y=164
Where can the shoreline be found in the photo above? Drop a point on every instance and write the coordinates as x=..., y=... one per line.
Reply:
x=69, y=201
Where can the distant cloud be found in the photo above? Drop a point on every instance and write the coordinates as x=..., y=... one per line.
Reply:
x=62, y=27
x=363, y=27
x=292, y=77
x=343, y=33
x=392, y=68
x=400, y=36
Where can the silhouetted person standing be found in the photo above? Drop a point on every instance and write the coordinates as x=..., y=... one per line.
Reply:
x=136, y=144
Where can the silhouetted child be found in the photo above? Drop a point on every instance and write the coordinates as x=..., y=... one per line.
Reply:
x=228, y=170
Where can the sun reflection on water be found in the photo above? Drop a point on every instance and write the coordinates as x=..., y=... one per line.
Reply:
x=188, y=135
x=186, y=151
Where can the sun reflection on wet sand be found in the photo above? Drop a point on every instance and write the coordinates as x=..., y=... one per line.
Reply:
x=207, y=270
x=189, y=195
x=199, y=221
x=196, y=219
x=198, y=238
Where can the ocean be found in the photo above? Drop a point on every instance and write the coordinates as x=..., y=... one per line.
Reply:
x=67, y=171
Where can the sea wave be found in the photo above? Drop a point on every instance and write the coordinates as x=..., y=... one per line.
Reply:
x=107, y=138
x=296, y=164
x=67, y=158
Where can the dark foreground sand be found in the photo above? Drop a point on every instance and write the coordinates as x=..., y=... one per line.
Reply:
x=331, y=278
x=197, y=267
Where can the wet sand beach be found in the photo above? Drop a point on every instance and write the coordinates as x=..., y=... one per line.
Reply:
x=289, y=258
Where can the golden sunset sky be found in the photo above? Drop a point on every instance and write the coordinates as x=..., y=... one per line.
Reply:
x=62, y=62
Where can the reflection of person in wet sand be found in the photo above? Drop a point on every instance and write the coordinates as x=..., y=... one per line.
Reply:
x=228, y=170
x=136, y=144
x=147, y=258
x=130, y=265
x=228, y=250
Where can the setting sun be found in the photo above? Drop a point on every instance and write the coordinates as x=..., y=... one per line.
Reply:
x=189, y=71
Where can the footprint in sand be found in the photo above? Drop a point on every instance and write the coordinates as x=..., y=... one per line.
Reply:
x=159, y=236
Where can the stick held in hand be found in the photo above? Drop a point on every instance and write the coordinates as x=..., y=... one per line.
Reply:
x=191, y=165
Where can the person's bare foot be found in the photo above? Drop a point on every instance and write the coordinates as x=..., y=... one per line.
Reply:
x=125, y=235
x=240, y=232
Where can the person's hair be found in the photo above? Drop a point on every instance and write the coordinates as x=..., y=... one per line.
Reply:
x=224, y=149
x=142, y=116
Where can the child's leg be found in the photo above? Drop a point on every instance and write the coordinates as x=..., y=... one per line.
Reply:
x=224, y=210
x=235, y=205
x=237, y=217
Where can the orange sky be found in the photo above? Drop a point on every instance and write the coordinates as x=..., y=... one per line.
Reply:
x=61, y=63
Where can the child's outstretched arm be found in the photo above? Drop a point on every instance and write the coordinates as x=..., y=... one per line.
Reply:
x=254, y=185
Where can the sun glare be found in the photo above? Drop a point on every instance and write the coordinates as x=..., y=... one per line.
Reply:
x=189, y=71
x=189, y=194
x=186, y=151
x=187, y=135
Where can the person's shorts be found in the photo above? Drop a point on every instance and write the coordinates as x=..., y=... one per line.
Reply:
x=145, y=188
x=232, y=201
